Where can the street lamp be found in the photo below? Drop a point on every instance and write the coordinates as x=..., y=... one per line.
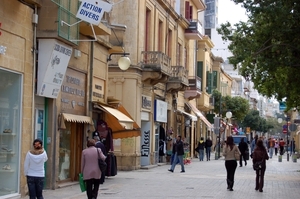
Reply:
x=124, y=61
x=228, y=116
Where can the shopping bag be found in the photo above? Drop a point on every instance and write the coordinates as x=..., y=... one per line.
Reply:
x=82, y=183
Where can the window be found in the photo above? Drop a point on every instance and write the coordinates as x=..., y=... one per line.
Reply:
x=67, y=12
x=10, y=131
x=147, y=29
x=169, y=49
x=160, y=36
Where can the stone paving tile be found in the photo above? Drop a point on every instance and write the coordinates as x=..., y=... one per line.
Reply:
x=202, y=180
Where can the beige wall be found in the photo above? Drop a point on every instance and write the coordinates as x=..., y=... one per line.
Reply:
x=17, y=35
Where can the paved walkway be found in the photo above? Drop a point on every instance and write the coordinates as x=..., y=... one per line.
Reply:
x=205, y=179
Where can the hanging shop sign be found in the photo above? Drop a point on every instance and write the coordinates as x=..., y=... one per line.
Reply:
x=160, y=111
x=53, y=60
x=146, y=102
x=92, y=11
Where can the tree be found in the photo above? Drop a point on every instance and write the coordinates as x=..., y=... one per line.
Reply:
x=266, y=48
x=237, y=105
x=255, y=122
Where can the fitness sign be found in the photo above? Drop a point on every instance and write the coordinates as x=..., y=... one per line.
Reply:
x=92, y=11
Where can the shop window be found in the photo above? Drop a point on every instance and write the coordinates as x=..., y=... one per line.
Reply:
x=10, y=123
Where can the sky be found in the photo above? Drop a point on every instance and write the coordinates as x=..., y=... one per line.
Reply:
x=228, y=11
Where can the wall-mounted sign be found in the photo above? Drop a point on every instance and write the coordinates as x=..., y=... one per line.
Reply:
x=73, y=93
x=92, y=11
x=98, y=90
x=53, y=60
x=160, y=111
x=146, y=102
x=2, y=50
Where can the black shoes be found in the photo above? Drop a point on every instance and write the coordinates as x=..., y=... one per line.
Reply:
x=170, y=170
x=182, y=171
x=245, y=163
x=240, y=165
x=261, y=190
x=230, y=189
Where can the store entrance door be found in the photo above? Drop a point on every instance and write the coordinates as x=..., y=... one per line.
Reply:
x=70, y=149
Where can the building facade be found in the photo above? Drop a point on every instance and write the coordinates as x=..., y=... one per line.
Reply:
x=62, y=83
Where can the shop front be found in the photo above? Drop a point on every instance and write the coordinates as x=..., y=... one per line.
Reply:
x=146, y=130
x=73, y=123
x=10, y=131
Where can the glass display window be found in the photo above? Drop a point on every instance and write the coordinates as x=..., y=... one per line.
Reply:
x=10, y=129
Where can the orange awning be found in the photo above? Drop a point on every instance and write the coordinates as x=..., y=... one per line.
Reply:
x=121, y=123
x=201, y=116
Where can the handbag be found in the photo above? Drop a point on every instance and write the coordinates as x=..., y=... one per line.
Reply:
x=82, y=183
x=258, y=165
x=101, y=163
x=237, y=155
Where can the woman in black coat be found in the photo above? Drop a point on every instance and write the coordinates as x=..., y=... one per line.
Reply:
x=260, y=154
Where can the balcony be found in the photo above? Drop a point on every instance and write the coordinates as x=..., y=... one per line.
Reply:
x=195, y=30
x=155, y=67
x=204, y=102
x=194, y=89
x=178, y=80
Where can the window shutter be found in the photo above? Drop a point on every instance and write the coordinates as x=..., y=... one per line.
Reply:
x=209, y=82
x=200, y=71
x=187, y=10
x=215, y=80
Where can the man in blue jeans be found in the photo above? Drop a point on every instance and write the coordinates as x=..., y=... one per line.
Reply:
x=179, y=152
x=208, y=144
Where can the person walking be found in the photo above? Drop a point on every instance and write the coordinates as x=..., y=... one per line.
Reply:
x=281, y=146
x=276, y=147
x=271, y=145
x=260, y=154
x=243, y=147
x=99, y=144
x=34, y=169
x=179, y=152
x=253, y=144
x=208, y=144
x=200, y=147
x=229, y=151
x=90, y=169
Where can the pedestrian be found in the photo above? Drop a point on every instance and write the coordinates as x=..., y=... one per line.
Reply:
x=208, y=144
x=201, y=146
x=253, y=144
x=260, y=154
x=276, y=147
x=293, y=146
x=179, y=152
x=99, y=144
x=34, y=169
x=243, y=147
x=229, y=151
x=271, y=146
x=281, y=146
x=90, y=168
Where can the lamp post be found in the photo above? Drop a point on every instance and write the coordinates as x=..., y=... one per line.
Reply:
x=287, y=138
x=228, y=116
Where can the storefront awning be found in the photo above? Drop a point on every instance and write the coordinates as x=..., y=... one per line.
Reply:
x=75, y=118
x=119, y=120
x=193, y=118
x=201, y=116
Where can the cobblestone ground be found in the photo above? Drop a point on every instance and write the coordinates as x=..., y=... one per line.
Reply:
x=205, y=179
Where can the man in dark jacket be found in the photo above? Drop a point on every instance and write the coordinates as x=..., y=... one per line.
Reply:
x=243, y=147
x=179, y=152
x=208, y=144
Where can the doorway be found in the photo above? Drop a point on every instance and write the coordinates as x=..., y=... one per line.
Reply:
x=70, y=148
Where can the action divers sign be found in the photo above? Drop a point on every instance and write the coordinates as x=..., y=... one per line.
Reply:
x=92, y=11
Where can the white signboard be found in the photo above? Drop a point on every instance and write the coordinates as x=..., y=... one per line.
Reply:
x=160, y=111
x=92, y=11
x=54, y=58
